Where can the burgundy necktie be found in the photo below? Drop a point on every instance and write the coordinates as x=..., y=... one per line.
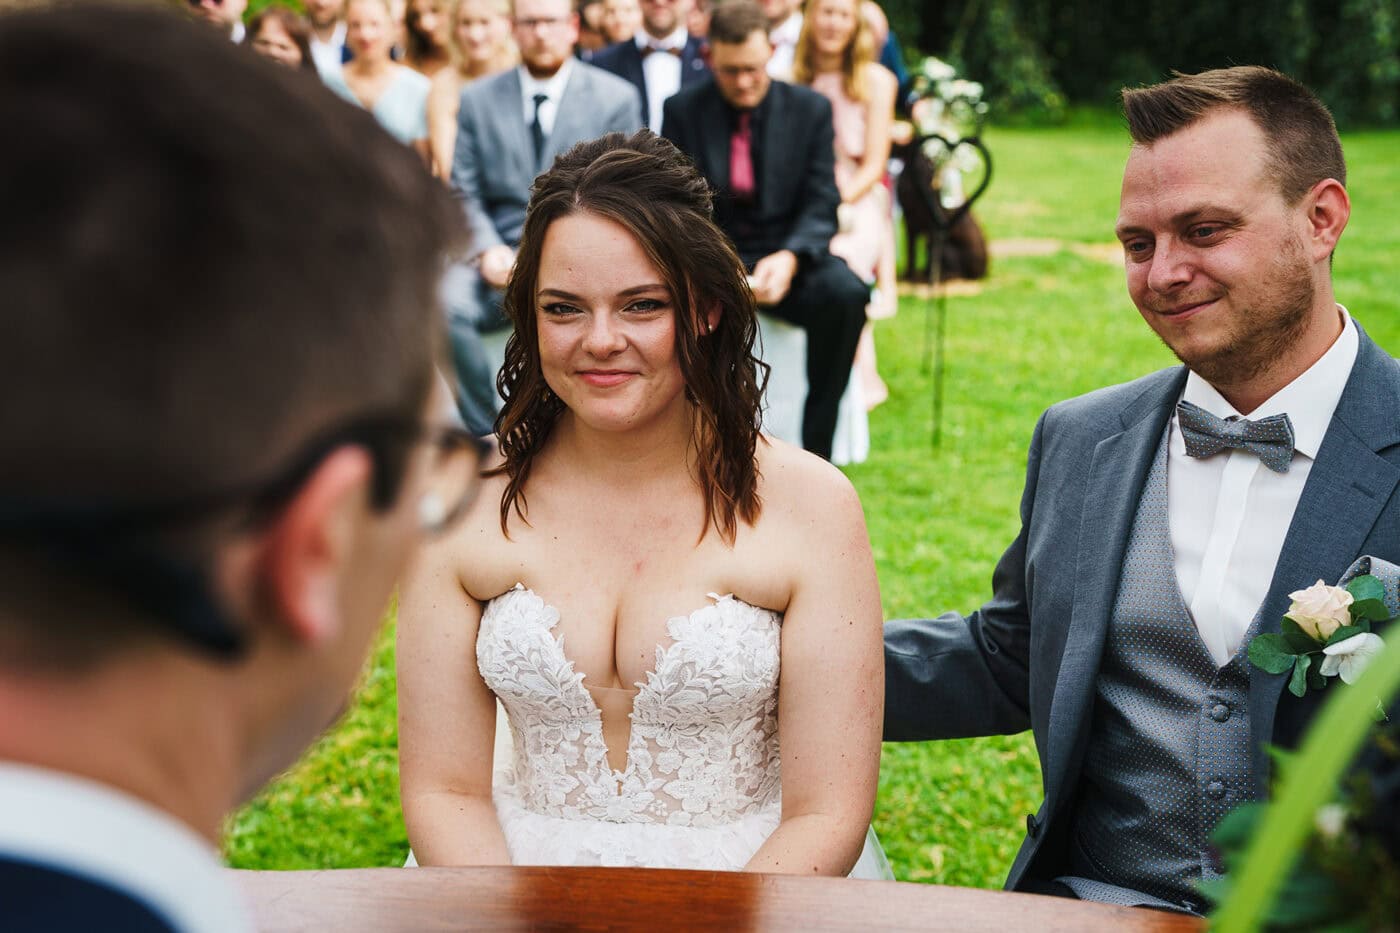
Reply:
x=741, y=183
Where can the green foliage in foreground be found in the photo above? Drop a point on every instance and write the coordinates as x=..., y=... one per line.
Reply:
x=1043, y=328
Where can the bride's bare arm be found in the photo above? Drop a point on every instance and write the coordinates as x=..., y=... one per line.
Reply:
x=447, y=717
x=831, y=688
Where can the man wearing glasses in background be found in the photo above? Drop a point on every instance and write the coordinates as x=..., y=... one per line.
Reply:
x=510, y=127
x=225, y=436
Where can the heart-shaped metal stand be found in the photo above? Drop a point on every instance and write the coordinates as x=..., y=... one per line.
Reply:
x=936, y=314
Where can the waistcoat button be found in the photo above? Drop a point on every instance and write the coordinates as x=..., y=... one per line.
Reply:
x=1220, y=712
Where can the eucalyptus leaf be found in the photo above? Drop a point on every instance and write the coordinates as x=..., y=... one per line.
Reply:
x=1299, y=641
x=1271, y=653
x=1373, y=609
x=1345, y=632
x=1298, y=683
x=1366, y=587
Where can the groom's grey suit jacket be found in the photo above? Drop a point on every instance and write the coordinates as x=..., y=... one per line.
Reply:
x=1029, y=657
x=494, y=162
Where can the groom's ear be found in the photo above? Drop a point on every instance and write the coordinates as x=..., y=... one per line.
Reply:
x=305, y=550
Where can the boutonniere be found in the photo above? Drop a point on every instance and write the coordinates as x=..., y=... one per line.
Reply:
x=1326, y=633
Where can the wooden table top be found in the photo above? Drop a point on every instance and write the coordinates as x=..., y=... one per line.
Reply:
x=533, y=898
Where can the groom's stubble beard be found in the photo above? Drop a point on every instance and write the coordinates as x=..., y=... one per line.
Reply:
x=1263, y=330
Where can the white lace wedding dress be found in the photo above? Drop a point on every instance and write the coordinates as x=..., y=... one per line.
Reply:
x=701, y=786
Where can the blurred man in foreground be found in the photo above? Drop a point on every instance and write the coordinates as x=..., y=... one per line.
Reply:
x=224, y=440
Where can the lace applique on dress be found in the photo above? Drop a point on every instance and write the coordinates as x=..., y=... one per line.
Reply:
x=701, y=788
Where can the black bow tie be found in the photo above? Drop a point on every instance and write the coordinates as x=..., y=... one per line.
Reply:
x=1270, y=439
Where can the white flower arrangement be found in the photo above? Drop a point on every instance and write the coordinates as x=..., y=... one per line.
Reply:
x=948, y=109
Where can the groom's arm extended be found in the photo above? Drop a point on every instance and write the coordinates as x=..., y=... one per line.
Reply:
x=957, y=676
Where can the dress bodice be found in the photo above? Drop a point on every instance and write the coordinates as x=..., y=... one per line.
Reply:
x=703, y=749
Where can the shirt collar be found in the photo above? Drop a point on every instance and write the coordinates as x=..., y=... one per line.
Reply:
x=81, y=826
x=1309, y=400
x=676, y=40
x=552, y=87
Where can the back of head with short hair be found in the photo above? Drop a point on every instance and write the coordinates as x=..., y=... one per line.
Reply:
x=733, y=22
x=1302, y=138
x=206, y=260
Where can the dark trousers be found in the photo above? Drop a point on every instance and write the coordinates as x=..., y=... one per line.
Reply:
x=828, y=301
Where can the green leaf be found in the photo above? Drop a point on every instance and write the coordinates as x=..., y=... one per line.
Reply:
x=1365, y=588
x=1237, y=827
x=1298, y=683
x=1345, y=632
x=1315, y=679
x=1299, y=641
x=1271, y=653
x=1373, y=609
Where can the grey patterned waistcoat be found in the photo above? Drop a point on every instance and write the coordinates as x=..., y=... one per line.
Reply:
x=1168, y=752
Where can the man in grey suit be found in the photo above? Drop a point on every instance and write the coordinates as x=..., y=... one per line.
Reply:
x=1165, y=521
x=510, y=128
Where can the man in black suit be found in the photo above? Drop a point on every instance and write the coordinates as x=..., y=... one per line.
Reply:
x=661, y=59
x=225, y=436
x=766, y=149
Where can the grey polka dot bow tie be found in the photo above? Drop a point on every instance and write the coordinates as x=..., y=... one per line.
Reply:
x=1270, y=439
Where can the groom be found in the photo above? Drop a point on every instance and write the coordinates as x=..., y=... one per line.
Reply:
x=1146, y=562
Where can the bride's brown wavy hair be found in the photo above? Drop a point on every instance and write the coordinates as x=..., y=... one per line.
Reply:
x=647, y=185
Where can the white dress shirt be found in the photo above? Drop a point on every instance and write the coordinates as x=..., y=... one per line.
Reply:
x=327, y=55
x=71, y=823
x=552, y=88
x=1229, y=513
x=662, y=73
x=784, y=39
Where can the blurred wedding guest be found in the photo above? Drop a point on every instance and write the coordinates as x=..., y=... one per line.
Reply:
x=661, y=59
x=766, y=147
x=511, y=126
x=428, y=47
x=199, y=533
x=224, y=15
x=651, y=728
x=697, y=21
x=784, y=27
x=396, y=94
x=590, y=29
x=481, y=46
x=283, y=36
x=620, y=21
x=836, y=58
x=328, y=48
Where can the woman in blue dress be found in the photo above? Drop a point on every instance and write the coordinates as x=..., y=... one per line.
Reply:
x=395, y=94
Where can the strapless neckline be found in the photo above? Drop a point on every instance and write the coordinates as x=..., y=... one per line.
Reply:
x=664, y=651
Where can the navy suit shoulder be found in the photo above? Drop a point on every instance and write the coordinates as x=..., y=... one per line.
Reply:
x=37, y=897
x=613, y=58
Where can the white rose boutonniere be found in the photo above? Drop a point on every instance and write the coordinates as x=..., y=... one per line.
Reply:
x=1321, y=609
x=1326, y=633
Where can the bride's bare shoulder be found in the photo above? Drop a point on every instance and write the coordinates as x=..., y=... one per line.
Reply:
x=799, y=486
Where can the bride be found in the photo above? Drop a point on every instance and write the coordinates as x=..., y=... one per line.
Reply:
x=639, y=570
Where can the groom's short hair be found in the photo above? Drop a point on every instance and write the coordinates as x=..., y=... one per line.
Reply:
x=1304, y=148
x=206, y=260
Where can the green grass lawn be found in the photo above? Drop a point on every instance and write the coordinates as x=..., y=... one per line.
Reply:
x=1043, y=328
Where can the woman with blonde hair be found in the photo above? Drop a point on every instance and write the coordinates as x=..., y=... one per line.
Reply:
x=481, y=44
x=836, y=56
x=396, y=94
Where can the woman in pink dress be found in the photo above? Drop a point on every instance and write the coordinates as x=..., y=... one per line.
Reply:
x=836, y=57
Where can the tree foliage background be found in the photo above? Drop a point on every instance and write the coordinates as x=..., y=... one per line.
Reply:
x=1034, y=56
